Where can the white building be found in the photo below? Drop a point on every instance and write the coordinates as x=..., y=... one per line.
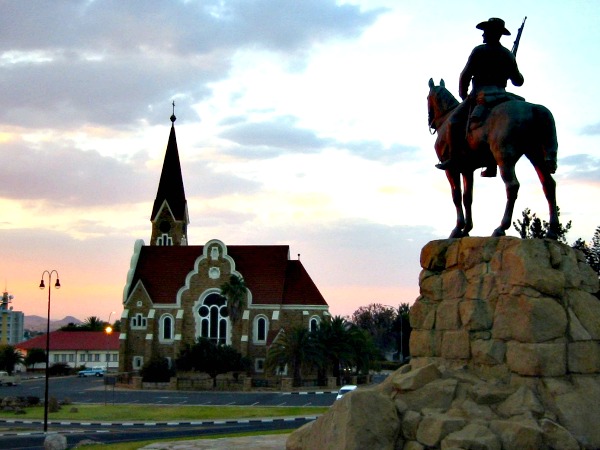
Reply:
x=11, y=322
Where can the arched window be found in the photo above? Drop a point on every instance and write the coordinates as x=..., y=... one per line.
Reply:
x=138, y=321
x=313, y=324
x=260, y=329
x=166, y=327
x=213, y=316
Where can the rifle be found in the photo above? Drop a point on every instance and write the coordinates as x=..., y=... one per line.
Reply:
x=518, y=38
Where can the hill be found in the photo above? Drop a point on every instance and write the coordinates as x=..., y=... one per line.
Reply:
x=37, y=323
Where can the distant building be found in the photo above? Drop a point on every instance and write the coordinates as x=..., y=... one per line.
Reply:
x=11, y=322
x=172, y=295
x=78, y=348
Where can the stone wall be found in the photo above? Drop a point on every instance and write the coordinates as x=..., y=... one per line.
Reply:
x=506, y=355
x=507, y=306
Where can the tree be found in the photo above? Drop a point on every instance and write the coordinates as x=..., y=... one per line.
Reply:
x=93, y=323
x=9, y=358
x=35, y=356
x=378, y=320
x=531, y=227
x=338, y=340
x=298, y=349
x=235, y=291
x=592, y=251
x=210, y=357
x=402, y=330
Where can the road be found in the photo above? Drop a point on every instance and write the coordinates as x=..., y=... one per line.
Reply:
x=26, y=434
x=92, y=390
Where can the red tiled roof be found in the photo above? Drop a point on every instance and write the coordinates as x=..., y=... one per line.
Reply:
x=74, y=340
x=270, y=276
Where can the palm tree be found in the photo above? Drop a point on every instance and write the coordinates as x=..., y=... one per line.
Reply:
x=93, y=323
x=338, y=338
x=235, y=291
x=9, y=358
x=296, y=348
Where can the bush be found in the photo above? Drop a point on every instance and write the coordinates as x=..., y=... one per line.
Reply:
x=53, y=405
x=157, y=370
x=58, y=369
x=32, y=401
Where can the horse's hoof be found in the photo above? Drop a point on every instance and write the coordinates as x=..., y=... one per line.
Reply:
x=498, y=232
x=456, y=234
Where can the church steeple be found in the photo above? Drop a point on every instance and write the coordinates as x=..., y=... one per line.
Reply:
x=169, y=213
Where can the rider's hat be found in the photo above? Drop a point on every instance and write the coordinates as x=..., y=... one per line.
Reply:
x=494, y=24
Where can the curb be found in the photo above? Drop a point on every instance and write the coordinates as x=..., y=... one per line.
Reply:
x=137, y=424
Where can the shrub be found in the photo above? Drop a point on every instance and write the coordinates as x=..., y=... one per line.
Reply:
x=156, y=370
x=53, y=405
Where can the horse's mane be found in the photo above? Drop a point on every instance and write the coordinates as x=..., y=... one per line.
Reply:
x=446, y=100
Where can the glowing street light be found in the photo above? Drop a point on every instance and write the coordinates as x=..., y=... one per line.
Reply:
x=42, y=286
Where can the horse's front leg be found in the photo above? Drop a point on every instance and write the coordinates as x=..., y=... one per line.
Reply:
x=468, y=201
x=512, y=190
x=454, y=180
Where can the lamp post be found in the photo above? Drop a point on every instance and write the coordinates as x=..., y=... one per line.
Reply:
x=42, y=286
x=108, y=330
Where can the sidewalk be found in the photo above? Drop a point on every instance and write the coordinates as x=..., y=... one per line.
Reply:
x=265, y=442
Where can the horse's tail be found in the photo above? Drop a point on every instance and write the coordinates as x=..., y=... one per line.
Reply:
x=547, y=132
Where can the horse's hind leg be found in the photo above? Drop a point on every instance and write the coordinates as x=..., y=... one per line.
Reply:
x=549, y=186
x=512, y=190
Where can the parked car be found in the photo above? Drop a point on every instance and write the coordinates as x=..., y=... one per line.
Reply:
x=344, y=390
x=93, y=372
x=9, y=380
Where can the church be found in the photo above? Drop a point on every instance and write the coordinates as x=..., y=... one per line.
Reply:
x=172, y=295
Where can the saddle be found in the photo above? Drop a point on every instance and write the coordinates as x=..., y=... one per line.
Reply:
x=485, y=100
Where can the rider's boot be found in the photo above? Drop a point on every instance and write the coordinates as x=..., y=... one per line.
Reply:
x=490, y=172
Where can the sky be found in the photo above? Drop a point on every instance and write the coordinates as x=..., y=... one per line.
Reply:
x=298, y=122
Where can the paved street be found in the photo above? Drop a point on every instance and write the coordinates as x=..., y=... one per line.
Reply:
x=92, y=390
x=20, y=433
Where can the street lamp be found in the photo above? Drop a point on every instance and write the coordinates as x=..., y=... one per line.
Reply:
x=42, y=286
x=108, y=330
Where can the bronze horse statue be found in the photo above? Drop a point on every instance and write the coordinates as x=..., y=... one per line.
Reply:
x=511, y=129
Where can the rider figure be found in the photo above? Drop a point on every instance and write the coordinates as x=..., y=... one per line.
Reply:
x=489, y=65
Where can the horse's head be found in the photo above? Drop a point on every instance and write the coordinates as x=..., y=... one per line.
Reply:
x=439, y=102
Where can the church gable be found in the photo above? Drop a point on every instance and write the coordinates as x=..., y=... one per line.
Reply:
x=173, y=291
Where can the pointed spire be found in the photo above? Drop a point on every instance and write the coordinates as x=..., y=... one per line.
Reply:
x=170, y=187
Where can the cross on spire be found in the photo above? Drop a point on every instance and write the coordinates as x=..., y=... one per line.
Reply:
x=173, y=118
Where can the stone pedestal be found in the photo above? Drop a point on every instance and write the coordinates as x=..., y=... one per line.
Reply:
x=507, y=306
x=505, y=355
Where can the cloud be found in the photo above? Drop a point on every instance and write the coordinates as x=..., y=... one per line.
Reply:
x=581, y=167
x=280, y=133
x=376, y=151
x=592, y=129
x=66, y=63
x=63, y=175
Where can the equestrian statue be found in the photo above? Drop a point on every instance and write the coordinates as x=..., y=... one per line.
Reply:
x=492, y=128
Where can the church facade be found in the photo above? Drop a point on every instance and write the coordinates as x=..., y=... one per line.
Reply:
x=172, y=295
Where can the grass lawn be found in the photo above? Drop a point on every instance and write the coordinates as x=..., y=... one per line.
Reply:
x=160, y=413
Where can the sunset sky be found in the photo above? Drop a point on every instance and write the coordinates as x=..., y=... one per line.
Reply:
x=300, y=122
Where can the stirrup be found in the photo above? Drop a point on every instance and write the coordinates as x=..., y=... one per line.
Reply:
x=445, y=165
